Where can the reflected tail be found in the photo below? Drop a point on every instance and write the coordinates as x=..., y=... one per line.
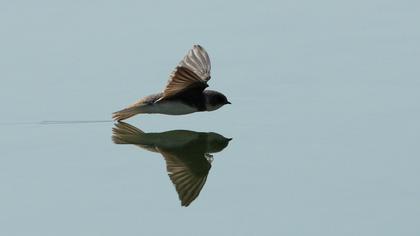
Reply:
x=124, y=133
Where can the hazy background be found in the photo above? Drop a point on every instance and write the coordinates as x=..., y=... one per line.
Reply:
x=324, y=121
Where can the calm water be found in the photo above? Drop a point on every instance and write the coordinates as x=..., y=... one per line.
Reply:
x=324, y=122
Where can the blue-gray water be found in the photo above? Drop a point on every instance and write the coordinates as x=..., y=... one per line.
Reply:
x=324, y=120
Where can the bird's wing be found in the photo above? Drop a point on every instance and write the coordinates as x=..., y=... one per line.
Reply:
x=188, y=183
x=198, y=61
x=192, y=72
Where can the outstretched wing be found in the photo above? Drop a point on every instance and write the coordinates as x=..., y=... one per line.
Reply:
x=188, y=182
x=198, y=61
x=192, y=73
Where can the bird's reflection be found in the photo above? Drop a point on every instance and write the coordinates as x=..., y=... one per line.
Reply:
x=187, y=154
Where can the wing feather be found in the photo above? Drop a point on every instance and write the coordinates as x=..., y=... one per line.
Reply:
x=192, y=72
x=198, y=61
x=187, y=182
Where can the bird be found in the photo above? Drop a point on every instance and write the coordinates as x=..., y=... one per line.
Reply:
x=187, y=154
x=185, y=91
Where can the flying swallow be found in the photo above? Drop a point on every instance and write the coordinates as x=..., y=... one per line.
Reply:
x=184, y=93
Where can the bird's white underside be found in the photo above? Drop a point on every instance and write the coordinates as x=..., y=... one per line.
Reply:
x=169, y=108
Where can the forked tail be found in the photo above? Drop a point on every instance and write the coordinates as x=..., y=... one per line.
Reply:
x=124, y=133
x=126, y=113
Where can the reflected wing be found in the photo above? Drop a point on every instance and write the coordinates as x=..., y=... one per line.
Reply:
x=193, y=72
x=188, y=183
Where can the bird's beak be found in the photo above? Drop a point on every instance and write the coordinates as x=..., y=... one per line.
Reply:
x=228, y=102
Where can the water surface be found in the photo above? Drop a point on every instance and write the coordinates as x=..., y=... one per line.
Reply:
x=324, y=118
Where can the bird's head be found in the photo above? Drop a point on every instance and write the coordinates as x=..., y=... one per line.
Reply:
x=215, y=100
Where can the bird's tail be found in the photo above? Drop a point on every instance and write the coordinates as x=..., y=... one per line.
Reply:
x=127, y=112
x=124, y=133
